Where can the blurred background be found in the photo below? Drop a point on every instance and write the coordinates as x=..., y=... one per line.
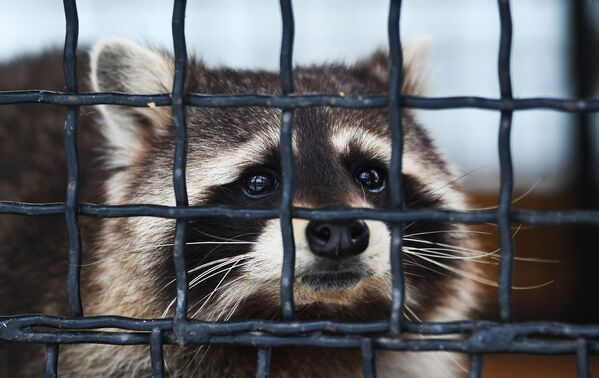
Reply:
x=556, y=155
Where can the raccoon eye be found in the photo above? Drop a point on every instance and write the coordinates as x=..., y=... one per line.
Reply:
x=372, y=179
x=259, y=184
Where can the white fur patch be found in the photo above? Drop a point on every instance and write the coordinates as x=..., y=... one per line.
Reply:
x=267, y=255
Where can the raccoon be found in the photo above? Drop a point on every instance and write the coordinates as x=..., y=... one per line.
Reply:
x=341, y=159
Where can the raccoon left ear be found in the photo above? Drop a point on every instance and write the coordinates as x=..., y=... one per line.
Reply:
x=416, y=70
x=119, y=65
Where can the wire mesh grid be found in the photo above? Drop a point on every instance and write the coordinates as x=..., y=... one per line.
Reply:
x=482, y=337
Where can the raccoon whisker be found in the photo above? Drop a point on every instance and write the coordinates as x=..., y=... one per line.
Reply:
x=200, y=278
x=218, y=317
x=414, y=263
x=418, y=252
x=220, y=243
x=536, y=259
x=450, y=252
x=201, y=359
x=454, y=247
x=409, y=225
x=217, y=261
x=479, y=279
x=449, y=355
x=438, y=252
x=448, y=232
x=149, y=247
x=174, y=300
x=515, y=200
x=223, y=238
x=449, y=183
x=455, y=253
x=232, y=309
x=226, y=260
x=464, y=250
x=195, y=355
x=224, y=286
x=215, y=248
x=216, y=288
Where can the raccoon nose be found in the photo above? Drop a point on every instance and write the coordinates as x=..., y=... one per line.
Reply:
x=337, y=239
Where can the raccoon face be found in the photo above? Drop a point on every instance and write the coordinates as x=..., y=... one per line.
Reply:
x=341, y=159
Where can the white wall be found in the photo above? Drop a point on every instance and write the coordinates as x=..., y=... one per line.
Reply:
x=465, y=36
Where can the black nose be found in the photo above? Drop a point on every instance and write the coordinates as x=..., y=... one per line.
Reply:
x=337, y=239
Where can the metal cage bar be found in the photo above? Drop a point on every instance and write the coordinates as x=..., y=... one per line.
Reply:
x=368, y=359
x=156, y=353
x=476, y=365
x=395, y=171
x=285, y=209
x=70, y=143
x=568, y=105
x=505, y=165
x=582, y=360
x=180, y=162
x=51, y=365
x=263, y=367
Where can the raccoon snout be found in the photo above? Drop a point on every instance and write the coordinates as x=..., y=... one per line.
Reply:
x=337, y=239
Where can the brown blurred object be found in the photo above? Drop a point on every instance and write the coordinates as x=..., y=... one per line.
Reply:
x=547, y=280
x=563, y=300
x=523, y=366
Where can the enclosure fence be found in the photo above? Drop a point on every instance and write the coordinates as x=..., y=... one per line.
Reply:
x=481, y=337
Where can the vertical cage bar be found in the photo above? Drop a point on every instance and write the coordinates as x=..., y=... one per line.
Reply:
x=584, y=72
x=70, y=144
x=264, y=357
x=505, y=164
x=179, y=166
x=476, y=365
x=157, y=354
x=583, y=368
x=368, y=359
x=286, y=75
x=395, y=172
x=51, y=365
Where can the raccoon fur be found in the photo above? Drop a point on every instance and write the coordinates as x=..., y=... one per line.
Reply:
x=341, y=159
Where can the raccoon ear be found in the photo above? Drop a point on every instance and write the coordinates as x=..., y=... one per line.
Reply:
x=119, y=65
x=416, y=70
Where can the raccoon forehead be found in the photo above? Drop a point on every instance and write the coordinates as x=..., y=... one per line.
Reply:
x=346, y=140
x=420, y=160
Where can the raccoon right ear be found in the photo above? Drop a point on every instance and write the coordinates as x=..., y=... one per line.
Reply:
x=119, y=65
x=415, y=61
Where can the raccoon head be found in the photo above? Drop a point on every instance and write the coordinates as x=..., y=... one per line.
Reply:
x=341, y=159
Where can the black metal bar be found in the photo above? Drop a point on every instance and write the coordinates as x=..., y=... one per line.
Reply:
x=179, y=166
x=476, y=366
x=505, y=164
x=157, y=353
x=531, y=217
x=583, y=367
x=14, y=325
x=490, y=345
x=51, y=365
x=70, y=143
x=585, y=185
x=368, y=359
x=264, y=357
x=395, y=170
x=285, y=209
x=567, y=105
